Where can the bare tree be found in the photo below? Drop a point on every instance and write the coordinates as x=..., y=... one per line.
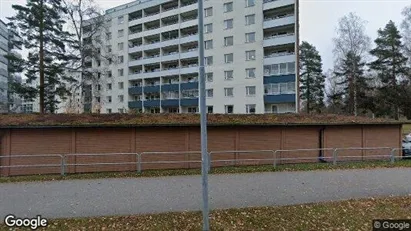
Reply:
x=406, y=32
x=351, y=39
x=90, y=32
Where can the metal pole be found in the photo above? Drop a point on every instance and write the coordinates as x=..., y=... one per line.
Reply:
x=203, y=115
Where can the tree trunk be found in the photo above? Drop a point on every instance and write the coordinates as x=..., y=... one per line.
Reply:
x=41, y=56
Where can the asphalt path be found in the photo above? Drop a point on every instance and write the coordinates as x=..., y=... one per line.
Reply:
x=125, y=196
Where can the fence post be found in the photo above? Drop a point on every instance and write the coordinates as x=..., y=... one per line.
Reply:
x=63, y=171
x=392, y=156
x=139, y=162
x=275, y=158
x=335, y=154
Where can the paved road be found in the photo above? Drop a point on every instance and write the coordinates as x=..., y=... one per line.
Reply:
x=78, y=198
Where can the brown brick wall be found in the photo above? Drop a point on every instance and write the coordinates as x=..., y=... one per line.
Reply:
x=82, y=141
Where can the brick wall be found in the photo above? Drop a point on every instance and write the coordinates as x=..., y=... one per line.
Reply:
x=80, y=141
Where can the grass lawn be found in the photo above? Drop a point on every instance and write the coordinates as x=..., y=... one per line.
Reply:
x=342, y=215
x=220, y=170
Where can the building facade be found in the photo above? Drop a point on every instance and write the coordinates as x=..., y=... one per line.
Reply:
x=250, y=55
x=4, y=49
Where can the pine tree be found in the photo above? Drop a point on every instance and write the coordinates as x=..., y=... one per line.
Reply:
x=311, y=78
x=353, y=83
x=40, y=25
x=391, y=67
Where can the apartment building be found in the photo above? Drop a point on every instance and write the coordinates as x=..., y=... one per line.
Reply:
x=4, y=48
x=250, y=57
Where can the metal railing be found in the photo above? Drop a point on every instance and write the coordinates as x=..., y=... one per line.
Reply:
x=138, y=160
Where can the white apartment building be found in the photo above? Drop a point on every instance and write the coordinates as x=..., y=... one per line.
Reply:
x=250, y=50
x=4, y=49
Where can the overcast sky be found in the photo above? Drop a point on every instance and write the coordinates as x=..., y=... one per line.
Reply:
x=318, y=18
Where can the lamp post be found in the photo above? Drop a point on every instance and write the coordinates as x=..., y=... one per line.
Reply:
x=203, y=116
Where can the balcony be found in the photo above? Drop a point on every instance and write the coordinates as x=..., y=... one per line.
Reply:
x=136, y=48
x=189, y=102
x=273, y=4
x=277, y=21
x=192, y=85
x=279, y=40
x=152, y=103
x=135, y=90
x=193, y=68
x=151, y=89
x=281, y=57
x=170, y=103
x=189, y=54
x=284, y=98
x=135, y=104
x=169, y=87
x=279, y=79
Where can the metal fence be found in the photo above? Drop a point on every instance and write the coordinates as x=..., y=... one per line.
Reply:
x=184, y=158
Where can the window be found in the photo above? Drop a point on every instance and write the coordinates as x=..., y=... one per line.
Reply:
x=291, y=87
x=189, y=93
x=228, y=24
x=120, y=85
x=173, y=110
x=192, y=110
x=209, y=77
x=250, y=72
x=228, y=58
x=228, y=7
x=109, y=48
x=228, y=41
x=208, y=44
x=274, y=109
x=208, y=28
x=209, y=60
x=109, y=74
x=229, y=92
x=283, y=68
x=120, y=110
x=209, y=109
x=250, y=108
x=121, y=98
x=109, y=99
x=121, y=20
x=291, y=68
x=229, y=109
x=108, y=110
x=228, y=75
x=98, y=87
x=250, y=37
x=109, y=87
x=155, y=110
x=250, y=90
x=249, y=3
x=208, y=12
x=250, y=19
x=250, y=55
x=279, y=88
x=98, y=62
x=120, y=46
x=120, y=33
x=210, y=93
x=108, y=35
x=120, y=72
x=120, y=59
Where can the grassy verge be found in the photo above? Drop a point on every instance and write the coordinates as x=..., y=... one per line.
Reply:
x=220, y=170
x=342, y=215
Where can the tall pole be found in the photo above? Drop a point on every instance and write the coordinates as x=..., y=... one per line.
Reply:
x=203, y=115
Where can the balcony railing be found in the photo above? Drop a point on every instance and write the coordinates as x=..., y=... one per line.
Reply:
x=279, y=54
x=188, y=3
x=188, y=19
x=151, y=14
x=278, y=36
x=168, y=9
x=171, y=53
x=187, y=35
x=278, y=17
x=170, y=38
x=135, y=45
x=152, y=56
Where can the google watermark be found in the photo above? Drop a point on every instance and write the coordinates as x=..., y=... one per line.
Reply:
x=34, y=223
x=392, y=225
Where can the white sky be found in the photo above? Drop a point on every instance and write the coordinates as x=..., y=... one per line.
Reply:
x=318, y=18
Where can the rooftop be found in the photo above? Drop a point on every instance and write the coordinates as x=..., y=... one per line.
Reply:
x=139, y=120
